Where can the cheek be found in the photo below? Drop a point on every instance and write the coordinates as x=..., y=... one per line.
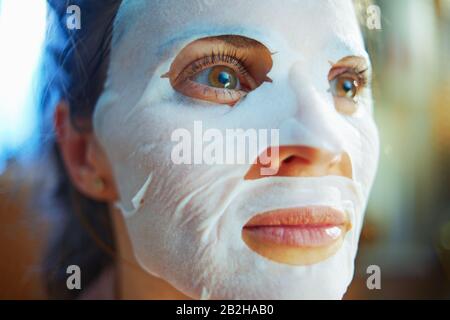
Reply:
x=138, y=143
x=128, y=142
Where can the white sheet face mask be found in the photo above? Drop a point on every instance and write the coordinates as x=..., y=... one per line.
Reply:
x=185, y=221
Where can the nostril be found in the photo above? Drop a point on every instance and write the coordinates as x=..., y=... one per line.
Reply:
x=300, y=161
x=289, y=159
x=294, y=160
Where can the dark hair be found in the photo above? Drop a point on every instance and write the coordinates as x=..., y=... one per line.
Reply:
x=73, y=69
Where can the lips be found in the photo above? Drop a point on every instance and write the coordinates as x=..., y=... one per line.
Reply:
x=297, y=236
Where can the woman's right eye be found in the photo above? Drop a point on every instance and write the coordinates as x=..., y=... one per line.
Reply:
x=219, y=79
x=228, y=69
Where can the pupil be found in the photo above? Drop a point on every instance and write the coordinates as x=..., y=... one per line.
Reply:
x=347, y=85
x=224, y=78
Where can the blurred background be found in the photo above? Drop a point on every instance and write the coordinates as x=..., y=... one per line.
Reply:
x=407, y=225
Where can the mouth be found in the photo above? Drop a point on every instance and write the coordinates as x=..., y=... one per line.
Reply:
x=297, y=236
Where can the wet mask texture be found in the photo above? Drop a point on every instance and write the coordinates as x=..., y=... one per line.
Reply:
x=185, y=221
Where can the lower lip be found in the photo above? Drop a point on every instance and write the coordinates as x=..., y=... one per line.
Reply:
x=297, y=236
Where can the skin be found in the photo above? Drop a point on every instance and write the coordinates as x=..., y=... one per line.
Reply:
x=87, y=161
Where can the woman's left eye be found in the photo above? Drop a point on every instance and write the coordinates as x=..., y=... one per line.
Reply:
x=345, y=89
x=347, y=78
x=345, y=86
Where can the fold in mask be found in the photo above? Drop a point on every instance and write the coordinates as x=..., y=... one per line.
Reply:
x=185, y=221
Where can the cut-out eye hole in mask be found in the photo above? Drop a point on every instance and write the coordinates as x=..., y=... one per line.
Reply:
x=347, y=78
x=220, y=69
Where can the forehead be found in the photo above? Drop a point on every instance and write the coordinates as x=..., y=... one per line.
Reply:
x=303, y=24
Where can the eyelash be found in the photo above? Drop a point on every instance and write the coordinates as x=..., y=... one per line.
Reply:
x=360, y=75
x=214, y=58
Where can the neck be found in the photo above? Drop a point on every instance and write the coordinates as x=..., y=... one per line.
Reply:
x=133, y=282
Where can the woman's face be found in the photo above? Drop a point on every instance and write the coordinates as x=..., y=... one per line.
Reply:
x=187, y=74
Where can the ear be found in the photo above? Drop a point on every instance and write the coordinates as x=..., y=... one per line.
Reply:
x=84, y=159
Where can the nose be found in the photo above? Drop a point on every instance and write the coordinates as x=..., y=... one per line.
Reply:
x=301, y=161
x=312, y=141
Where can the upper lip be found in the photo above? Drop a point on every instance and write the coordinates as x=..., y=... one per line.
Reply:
x=310, y=216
